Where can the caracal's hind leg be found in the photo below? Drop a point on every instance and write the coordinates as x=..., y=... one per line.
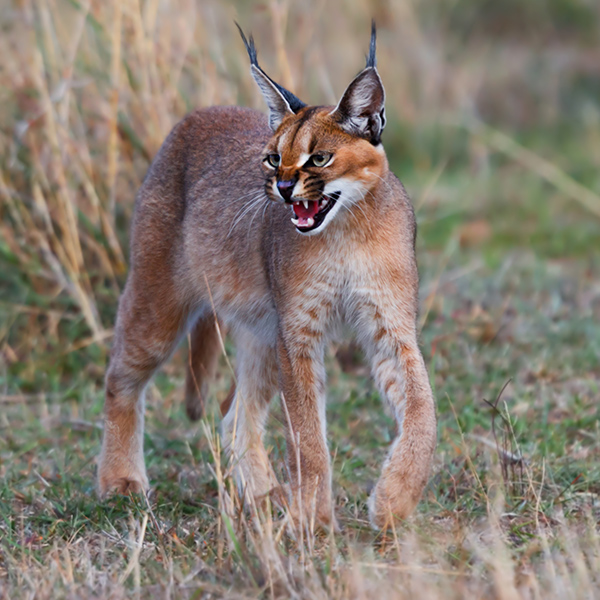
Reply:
x=149, y=322
x=203, y=358
x=244, y=423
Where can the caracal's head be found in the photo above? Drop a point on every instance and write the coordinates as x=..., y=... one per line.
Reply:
x=321, y=159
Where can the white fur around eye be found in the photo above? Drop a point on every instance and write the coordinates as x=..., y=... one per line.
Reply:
x=302, y=160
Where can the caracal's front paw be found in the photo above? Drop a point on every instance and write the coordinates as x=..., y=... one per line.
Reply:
x=313, y=510
x=123, y=481
x=393, y=499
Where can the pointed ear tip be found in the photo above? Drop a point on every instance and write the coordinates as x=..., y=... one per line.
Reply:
x=373, y=72
x=250, y=46
x=242, y=34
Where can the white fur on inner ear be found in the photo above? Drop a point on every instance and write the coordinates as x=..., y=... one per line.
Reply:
x=278, y=105
x=362, y=94
x=361, y=109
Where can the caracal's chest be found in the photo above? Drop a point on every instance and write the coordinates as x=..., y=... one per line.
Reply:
x=329, y=287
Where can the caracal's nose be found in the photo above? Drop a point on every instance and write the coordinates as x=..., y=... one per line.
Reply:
x=286, y=188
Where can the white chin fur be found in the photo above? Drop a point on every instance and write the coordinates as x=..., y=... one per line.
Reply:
x=351, y=191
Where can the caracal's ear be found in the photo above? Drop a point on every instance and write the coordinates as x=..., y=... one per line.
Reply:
x=280, y=101
x=361, y=110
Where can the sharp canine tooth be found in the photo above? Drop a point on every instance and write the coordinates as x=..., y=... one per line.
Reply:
x=305, y=202
x=294, y=220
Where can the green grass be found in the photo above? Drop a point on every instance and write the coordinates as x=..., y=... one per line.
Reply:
x=524, y=318
x=510, y=298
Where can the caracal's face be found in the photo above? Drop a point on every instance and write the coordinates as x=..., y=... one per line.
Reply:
x=317, y=168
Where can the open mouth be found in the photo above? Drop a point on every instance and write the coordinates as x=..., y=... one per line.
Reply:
x=310, y=214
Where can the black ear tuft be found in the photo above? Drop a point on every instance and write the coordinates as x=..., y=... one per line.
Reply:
x=372, y=58
x=250, y=47
x=361, y=110
x=277, y=97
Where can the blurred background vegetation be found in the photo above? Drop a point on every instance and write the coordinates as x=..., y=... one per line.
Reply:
x=494, y=128
x=90, y=90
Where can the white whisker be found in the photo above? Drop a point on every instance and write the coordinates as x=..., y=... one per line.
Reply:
x=262, y=218
x=254, y=215
x=384, y=181
x=365, y=221
x=345, y=207
x=244, y=211
x=362, y=210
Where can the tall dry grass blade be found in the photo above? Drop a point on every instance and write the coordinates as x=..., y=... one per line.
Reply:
x=158, y=87
x=540, y=166
x=68, y=220
x=71, y=54
x=468, y=458
x=279, y=12
x=430, y=185
x=106, y=222
x=296, y=450
x=7, y=197
x=134, y=561
x=219, y=333
x=149, y=95
x=50, y=46
x=113, y=131
x=450, y=249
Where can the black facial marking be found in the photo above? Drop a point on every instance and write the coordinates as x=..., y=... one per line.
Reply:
x=314, y=186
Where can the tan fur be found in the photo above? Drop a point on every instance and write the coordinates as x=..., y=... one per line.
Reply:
x=209, y=232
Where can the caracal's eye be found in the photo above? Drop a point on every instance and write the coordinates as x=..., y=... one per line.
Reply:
x=320, y=159
x=273, y=160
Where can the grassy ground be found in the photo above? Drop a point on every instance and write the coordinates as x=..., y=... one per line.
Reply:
x=509, y=253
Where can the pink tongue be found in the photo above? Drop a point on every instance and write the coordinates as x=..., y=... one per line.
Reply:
x=304, y=213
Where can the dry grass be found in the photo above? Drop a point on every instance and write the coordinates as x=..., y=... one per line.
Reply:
x=508, y=251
